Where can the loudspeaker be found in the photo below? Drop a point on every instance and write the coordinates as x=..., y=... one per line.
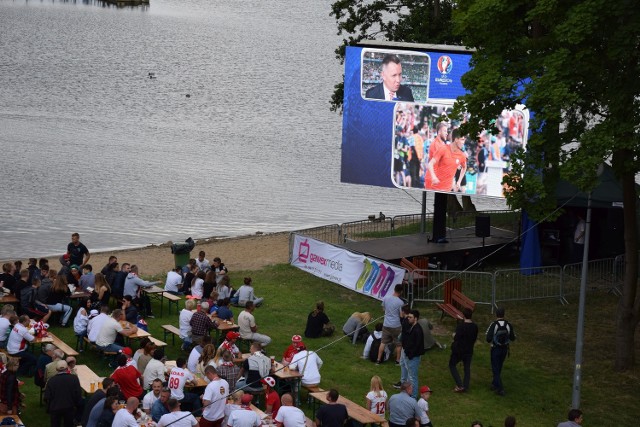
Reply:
x=483, y=226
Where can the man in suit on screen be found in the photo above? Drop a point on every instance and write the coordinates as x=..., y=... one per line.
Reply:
x=390, y=89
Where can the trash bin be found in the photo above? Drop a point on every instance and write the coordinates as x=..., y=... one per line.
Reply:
x=182, y=252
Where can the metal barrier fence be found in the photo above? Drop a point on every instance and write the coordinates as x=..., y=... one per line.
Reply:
x=376, y=228
x=476, y=285
x=518, y=284
x=331, y=233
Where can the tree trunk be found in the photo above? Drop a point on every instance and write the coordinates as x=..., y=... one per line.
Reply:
x=628, y=313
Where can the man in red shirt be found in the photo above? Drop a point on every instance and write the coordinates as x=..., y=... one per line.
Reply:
x=272, y=400
x=442, y=167
x=128, y=378
x=442, y=129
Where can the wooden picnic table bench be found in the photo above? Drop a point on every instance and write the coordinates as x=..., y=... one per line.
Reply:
x=68, y=350
x=170, y=329
x=355, y=411
x=459, y=301
x=418, y=279
x=86, y=377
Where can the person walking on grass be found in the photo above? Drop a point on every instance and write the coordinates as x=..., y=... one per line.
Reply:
x=462, y=350
x=499, y=334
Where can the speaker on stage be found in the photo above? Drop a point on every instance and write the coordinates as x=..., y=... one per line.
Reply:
x=483, y=226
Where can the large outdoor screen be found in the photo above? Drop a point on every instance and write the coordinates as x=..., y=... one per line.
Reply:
x=397, y=131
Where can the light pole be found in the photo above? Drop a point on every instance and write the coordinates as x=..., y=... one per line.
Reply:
x=577, y=373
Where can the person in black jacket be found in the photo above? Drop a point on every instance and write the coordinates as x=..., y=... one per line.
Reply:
x=462, y=350
x=63, y=396
x=412, y=348
x=117, y=288
x=500, y=333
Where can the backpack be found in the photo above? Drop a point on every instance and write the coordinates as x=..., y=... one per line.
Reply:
x=373, y=351
x=501, y=334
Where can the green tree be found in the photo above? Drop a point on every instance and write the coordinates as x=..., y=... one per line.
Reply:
x=577, y=65
x=414, y=21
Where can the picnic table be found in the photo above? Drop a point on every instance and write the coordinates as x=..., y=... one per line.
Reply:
x=9, y=299
x=155, y=292
x=86, y=377
x=68, y=350
x=267, y=421
x=139, y=334
x=284, y=375
x=355, y=411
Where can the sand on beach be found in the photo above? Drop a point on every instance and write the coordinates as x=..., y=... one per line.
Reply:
x=237, y=253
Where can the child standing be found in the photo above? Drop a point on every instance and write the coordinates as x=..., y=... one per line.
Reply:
x=425, y=393
x=377, y=397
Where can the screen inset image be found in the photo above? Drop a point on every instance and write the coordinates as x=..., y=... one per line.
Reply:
x=394, y=76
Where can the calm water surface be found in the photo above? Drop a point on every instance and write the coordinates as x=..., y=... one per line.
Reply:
x=91, y=144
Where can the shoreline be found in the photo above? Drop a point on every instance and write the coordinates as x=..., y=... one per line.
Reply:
x=245, y=252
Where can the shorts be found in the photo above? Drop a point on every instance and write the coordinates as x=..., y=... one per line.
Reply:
x=206, y=423
x=390, y=335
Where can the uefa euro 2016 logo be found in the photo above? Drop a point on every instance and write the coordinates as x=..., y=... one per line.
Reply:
x=445, y=64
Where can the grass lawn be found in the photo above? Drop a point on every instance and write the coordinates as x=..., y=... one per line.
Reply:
x=538, y=374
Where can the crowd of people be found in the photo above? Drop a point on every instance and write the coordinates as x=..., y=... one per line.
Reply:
x=143, y=385
x=429, y=153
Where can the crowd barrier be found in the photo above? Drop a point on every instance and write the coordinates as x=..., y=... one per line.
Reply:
x=518, y=284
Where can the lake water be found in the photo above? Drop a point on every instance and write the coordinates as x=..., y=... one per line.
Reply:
x=91, y=144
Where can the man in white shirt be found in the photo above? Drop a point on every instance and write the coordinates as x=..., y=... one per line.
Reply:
x=155, y=369
x=5, y=325
x=248, y=327
x=244, y=417
x=177, y=418
x=308, y=363
x=214, y=399
x=106, y=340
x=124, y=417
x=184, y=323
x=150, y=398
x=173, y=284
x=245, y=293
x=192, y=361
x=202, y=262
x=178, y=378
x=17, y=345
x=289, y=415
x=96, y=320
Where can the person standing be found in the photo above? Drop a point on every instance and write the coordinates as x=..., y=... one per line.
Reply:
x=63, y=396
x=402, y=406
x=391, y=325
x=78, y=252
x=462, y=350
x=333, y=414
x=500, y=334
x=412, y=350
x=578, y=239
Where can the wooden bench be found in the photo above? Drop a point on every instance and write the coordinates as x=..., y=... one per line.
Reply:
x=157, y=342
x=93, y=346
x=172, y=299
x=459, y=301
x=356, y=412
x=414, y=277
x=68, y=350
x=170, y=329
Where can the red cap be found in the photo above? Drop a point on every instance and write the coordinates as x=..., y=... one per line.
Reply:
x=268, y=381
x=425, y=389
x=246, y=399
x=232, y=335
x=127, y=351
x=296, y=338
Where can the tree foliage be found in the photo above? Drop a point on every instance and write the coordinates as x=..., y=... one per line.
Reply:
x=576, y=63
x=414, y=21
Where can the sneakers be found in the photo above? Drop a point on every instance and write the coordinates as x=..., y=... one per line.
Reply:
x=397, y=385
x=378, y=362
x=397, y=362
x=150, y=316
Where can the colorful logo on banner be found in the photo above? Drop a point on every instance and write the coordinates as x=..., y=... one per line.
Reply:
x=365, y=275
x=445, y=65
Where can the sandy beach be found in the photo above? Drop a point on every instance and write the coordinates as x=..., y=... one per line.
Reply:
x=237, y=253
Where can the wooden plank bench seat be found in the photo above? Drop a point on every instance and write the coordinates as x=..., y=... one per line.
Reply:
x=68, y=350
x=170, y=329
x=157, y=342
x=172, y=300
x=459, y=301
x=414, y=277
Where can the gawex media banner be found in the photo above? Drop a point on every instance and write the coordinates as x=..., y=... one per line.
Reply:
x=365, y=275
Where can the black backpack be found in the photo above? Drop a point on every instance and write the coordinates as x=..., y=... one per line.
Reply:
x=501, y=334
x=373, y=352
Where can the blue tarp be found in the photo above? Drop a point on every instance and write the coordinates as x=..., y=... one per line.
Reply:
x=530, y=256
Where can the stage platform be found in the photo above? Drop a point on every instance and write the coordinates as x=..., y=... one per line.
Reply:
x=463, y=246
